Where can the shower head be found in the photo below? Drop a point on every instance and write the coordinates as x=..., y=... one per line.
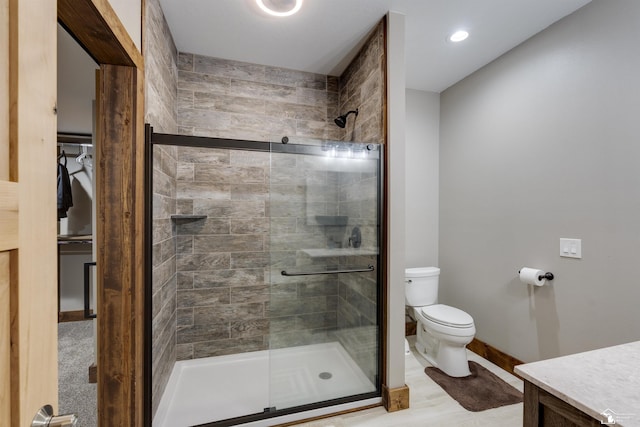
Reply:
x=341, y=121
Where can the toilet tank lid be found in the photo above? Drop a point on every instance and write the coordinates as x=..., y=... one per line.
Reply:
x=421, y=272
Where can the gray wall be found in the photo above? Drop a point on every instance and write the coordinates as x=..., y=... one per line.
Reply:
x=538, y=145
x=422, y=178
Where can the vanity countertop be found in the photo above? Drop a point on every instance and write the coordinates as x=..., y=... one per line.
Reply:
x=604, y=381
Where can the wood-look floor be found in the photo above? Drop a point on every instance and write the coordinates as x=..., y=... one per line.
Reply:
x=430, y=405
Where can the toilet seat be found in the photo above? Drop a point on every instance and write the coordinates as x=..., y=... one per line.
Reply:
x=447, y=316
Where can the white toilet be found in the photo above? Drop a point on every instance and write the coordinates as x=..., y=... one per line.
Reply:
x=442, y=331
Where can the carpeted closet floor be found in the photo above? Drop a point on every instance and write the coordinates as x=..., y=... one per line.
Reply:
x=75, y=355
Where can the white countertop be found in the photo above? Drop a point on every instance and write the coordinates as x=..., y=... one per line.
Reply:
x=596, y=382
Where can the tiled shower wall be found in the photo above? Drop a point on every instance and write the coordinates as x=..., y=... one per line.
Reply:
x=160, y=55
x=363, y=86
x=163, y=268
x=161, y=73
x=205, y=96
x=232, y=99
x=222, y=295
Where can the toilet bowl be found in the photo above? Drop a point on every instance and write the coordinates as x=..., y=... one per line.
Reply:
x=442, y=335
x=442, y=331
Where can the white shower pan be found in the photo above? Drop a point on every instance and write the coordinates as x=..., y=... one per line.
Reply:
x=218, y=388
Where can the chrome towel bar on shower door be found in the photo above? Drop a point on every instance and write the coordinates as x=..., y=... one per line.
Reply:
x=310, y=273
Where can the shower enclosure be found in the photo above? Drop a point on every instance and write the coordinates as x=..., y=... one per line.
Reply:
x=264, y=299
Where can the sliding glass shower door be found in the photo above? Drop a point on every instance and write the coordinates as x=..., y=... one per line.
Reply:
x=324, y=213
x=264, y=295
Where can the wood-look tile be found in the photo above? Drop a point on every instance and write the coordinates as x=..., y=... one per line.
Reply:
x=203, y=190
x=228, y=68
x=185, y=61
x=292, y=110
x=228, y=243
x=229, y=208
x=250, y=226
x=229, y=278
x=188, y=80
x=199, y=262
x=203, y=155
x=202, y=297
x=229, y=174
x=227, y=103
x=227, y=312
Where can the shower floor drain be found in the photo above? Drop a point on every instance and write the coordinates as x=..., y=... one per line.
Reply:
x=325, y=375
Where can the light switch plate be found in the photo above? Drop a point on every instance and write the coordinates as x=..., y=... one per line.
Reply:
x=571, y=248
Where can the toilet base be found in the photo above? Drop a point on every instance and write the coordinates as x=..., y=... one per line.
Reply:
x=449, y=357
x=450, y=360
x=453, y=361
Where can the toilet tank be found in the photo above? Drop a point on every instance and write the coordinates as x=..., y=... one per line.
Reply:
x=421, y=286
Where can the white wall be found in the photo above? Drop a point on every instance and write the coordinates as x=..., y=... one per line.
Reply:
x=422, y=181
x=396, y=198
x=130, y=14
x=538, y=145
x=76, y=86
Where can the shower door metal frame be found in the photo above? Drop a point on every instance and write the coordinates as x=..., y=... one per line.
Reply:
x=152, y=139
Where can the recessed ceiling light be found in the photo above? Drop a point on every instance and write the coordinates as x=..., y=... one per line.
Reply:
x=458, y=36
x=280, y=7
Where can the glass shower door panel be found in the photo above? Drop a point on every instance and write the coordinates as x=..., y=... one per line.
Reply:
x=324, y=213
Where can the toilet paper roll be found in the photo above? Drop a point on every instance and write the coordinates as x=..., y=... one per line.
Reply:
x=531, y=276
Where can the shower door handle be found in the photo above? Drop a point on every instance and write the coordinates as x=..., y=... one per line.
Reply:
x=311, y=273
x=87, y=291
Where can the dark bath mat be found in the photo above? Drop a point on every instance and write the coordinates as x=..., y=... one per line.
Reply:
x=479, y=391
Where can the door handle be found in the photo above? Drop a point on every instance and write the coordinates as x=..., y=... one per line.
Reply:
x=87, y=292
x=45, y=418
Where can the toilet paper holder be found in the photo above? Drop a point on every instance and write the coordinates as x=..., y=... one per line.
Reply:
x=547, y=275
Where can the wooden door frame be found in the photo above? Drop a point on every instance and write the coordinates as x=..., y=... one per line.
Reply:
x=120, y=207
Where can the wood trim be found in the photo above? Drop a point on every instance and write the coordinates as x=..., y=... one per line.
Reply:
x=495, y=356
x=72, y=316
x=97, y=28
x=395, y=399
x=93, y=373
x=119, y=198
x=120, y=269
x=4, y=89
x=8, y=215
x=5, y=341
x=334, y=414
x=410, y=328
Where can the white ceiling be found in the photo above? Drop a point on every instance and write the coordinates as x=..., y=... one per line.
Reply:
x=325, y=34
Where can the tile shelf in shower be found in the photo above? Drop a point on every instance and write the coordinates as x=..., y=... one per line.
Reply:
x=188, y=217
x=325, y=253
